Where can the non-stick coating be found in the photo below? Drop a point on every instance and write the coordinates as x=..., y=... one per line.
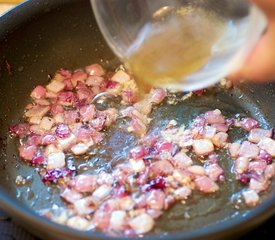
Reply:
x=40, y=37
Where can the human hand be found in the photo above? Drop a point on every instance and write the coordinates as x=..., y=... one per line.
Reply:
x=260, y=65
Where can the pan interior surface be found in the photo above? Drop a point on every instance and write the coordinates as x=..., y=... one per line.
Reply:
x=199, y=211
x=48, y=42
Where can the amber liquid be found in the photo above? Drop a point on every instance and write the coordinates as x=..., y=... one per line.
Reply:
x=176, y=45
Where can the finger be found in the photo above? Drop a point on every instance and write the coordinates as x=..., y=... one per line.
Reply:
x=260, y=65
x=268, y=6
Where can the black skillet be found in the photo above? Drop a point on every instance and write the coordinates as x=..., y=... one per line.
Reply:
x=39, y=37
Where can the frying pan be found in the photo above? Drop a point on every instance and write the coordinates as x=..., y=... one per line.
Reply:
x=39, y=37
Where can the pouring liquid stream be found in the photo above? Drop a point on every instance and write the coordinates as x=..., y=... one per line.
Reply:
x=176, y=44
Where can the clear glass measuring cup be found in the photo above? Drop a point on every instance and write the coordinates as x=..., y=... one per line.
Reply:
x=180, y=44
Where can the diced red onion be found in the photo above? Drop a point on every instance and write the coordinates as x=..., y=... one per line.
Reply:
x=68, y=85
x=120, y=191
x=62, y=130
x=157, y=95
x=48, y=139
x=39, y=92
x=54, y=174
x=139, y=128
x=244, y=177
x=161, y=168
x=95, y=70
x=138, y=152
x=203, y=147
x=156, y=183
x=214, y=171
x=241, y=164
x=155, y=199
x=78, y=76
x=111, y=84
x=234, y=149
x=221, y=127
x=268, y=145
x=142, y=223
x=264, y=156
x=181, y=160
x=129, y=96
x=66, y=98
x=257, y=134
x=206, y=184
x=71, y=195
x=85, y=183
x=65, y=73
x=98, y=123
x=121, y=77
x=248, y=123
x=249, y=150
x=199, y=92
x=38, y=159
x=213, y=117
x=20, y=130
x=27, y=152
x=55, y=109
x=37, y=111
x=251, y=197
x=56, y=86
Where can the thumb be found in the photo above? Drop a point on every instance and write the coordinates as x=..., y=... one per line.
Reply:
x=268, y=6
x=260, y=65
